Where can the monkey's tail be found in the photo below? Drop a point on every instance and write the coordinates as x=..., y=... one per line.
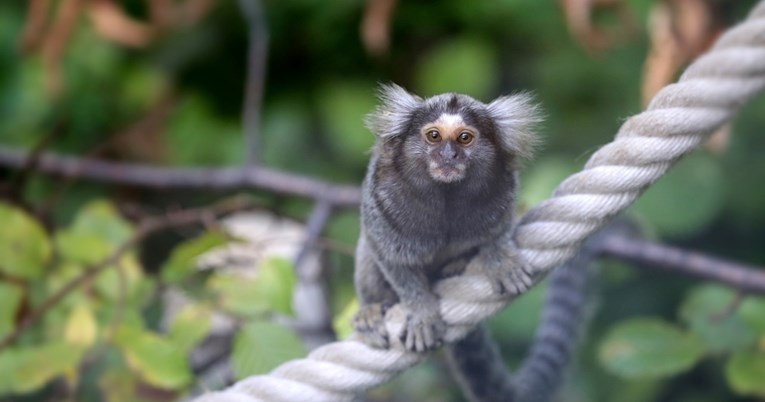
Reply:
x=542, y=372
x=478, y=365
x=479, y=369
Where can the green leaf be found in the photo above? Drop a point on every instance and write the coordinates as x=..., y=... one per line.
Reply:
x=686, y=199
x=131, y=319
x=648, y=347
x=236, y=294
x=124, y=281
x=10, y=299
x=81, y=327
x=101, y=219
x=465, y=65
x=62, y=274
x=343, y=322
x=7, y=365
x=270, y=290
x=24, y=246
x=706, y=312
x=752, y=311
x=261, y=346
x=94, y=234
x=156, y=359
x=190, y=326
x=745, y=372
x=183, y=259
x=275, y=283
x=82, y=248
x=118, y=384
x=29, y=368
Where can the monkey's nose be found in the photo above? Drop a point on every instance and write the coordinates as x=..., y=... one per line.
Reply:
x=448, y=151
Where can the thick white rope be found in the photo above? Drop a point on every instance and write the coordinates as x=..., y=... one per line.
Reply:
x=678, y=119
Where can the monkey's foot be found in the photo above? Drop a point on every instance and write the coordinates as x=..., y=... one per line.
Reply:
x=423, y=332
x=369, y=323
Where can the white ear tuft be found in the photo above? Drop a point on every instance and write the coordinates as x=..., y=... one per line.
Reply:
x=390, y=117
x=517, y=117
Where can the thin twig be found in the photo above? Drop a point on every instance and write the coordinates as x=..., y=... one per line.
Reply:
x=729, y=309
x=163, y=178
x=748, y=279
x=314, y=318
x=326, y=243
x=256, y=72
x=320, y=214
x=143, y=229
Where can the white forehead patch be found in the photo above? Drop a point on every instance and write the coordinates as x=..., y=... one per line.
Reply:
x=452, y=120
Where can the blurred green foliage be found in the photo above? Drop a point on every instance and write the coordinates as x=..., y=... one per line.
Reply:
x=178, y=102
x=648, y=347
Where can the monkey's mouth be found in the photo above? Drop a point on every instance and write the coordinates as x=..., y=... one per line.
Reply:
x=447, y=172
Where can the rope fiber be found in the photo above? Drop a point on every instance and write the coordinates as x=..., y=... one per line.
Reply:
x=677, y=120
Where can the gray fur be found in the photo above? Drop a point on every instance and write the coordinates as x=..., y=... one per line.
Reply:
x=517, y=116
x=413, y=225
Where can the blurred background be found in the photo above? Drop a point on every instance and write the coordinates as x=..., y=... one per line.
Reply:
x=285, y=85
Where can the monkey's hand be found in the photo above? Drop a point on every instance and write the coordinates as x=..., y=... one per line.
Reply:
x=369, y=323
x=500, y=263
x=424, y=328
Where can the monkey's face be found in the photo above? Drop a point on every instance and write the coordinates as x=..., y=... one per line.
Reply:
x=449, y=143
x=452, y=138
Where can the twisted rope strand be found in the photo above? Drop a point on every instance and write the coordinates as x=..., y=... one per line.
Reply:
x=647, y=145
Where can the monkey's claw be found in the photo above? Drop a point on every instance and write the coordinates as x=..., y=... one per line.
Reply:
x=422, y=332
x=369, y=323
x=502, y=267
x=511, y=280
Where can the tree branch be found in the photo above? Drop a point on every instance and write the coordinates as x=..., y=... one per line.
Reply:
x=311, y=300
x=746, y=278
x=318, y=219
x=163, y=178
x=256, y=72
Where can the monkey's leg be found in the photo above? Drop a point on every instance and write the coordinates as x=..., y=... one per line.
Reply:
x=375, y=297
x=381, y=284
x=374, y=301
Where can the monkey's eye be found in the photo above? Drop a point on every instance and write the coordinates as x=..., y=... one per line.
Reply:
x=465, y=138
x=433, y=136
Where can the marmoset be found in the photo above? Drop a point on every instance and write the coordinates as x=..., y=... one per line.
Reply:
x=439, y=193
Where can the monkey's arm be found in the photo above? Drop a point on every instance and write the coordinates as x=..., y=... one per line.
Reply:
x=500, y=262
